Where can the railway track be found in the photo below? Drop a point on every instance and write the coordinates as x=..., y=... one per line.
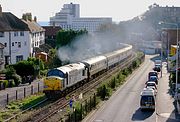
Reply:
x=47, y=112
x=50, y=110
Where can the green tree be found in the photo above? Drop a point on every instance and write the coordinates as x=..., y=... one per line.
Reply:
x=65, y=37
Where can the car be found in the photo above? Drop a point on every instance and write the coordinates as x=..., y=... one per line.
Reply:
x=157, y=68
x=152, y=73
x=153, y=78
x=147, y=100
x=152, y=85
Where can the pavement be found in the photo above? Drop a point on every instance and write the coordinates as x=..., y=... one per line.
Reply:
x=23, y=90
x=168, y=109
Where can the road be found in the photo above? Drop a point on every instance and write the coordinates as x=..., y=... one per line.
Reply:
x=124, y=105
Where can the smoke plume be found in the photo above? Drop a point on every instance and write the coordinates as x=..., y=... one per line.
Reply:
x=89, y=45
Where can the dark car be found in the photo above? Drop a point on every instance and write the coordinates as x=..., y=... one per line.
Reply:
x=152, y=74
x=154, y=78
x=157, y=68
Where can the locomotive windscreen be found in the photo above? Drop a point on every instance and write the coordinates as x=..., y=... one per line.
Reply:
x=56, y=72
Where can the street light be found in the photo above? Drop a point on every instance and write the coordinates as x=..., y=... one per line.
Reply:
x=161, y=22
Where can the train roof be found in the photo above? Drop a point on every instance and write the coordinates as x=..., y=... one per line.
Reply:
x=71, y=67
x=116, y=52
x=94, y=60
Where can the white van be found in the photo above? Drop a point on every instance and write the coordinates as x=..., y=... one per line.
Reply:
x=148, y=100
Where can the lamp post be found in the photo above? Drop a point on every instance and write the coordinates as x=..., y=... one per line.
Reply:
x=177, y=43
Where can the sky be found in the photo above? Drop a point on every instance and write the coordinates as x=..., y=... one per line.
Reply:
x=119, y=10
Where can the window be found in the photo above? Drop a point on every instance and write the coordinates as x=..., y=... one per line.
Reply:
x=12, y=43
x=25, y=43
x=1, y=34
x=19, y=58
x=5, y=44
x=19, y=44
x=22, y=33
x=15, y=33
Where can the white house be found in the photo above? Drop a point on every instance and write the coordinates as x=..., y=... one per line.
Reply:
x=69, y=18
x=17, y=38
x=37, y=33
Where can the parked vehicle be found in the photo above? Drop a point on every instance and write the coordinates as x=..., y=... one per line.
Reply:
x=157, y=68
x=154, y=79
x=153, y=73
x=147, y=100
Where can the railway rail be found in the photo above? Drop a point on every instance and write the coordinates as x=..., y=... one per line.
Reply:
x=58, y=106
x=50, y=110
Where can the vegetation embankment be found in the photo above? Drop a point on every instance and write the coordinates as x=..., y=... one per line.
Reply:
x=18, y=106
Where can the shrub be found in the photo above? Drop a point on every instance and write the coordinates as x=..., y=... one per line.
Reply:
x=103, y=91
x=5, y=82
x=11, y=83
x=17, y=79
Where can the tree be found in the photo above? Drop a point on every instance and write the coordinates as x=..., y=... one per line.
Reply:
x=65, y=37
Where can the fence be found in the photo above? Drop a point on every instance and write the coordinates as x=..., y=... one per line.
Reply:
x=12, y=94
x=80, y=112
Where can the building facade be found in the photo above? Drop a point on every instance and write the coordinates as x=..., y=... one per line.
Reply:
x=169, y=13
x=1, y=56
x=37, y=33
x=168, y=38
x=69, y=18
x=17, y=38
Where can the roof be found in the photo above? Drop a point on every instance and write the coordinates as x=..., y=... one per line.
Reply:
x=51, y=30
x=33, y=26
x=147, y=92
x=71, y=67
x=9, y=22
x=94, y=60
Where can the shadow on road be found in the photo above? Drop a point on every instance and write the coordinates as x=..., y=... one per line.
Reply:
x=141, y=115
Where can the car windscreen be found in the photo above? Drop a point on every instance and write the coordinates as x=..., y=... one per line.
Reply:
x=153, y=78
x=150, y=84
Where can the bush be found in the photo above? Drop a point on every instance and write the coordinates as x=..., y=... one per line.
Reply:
x=113, y=83
x=103, y=91
x=17, y=79
x=11, y=83
x=5, y=82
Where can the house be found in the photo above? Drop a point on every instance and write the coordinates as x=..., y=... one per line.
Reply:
x=50, y=34
x=14, y=35
x=19, y=37
x=37, y=33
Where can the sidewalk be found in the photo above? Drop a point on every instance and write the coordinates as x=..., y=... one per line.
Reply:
x=20, y=92
x=167, y=109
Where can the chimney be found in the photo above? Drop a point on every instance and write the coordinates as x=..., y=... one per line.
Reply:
x=0, y=10
x=27, y=16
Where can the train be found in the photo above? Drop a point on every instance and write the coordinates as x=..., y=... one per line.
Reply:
x=61, y=80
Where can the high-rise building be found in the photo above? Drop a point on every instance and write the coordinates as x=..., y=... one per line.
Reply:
x=69, y=18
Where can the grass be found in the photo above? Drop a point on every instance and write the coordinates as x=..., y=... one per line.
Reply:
x=17, y=106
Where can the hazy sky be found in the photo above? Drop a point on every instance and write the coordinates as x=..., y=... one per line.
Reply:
x=119, y=10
